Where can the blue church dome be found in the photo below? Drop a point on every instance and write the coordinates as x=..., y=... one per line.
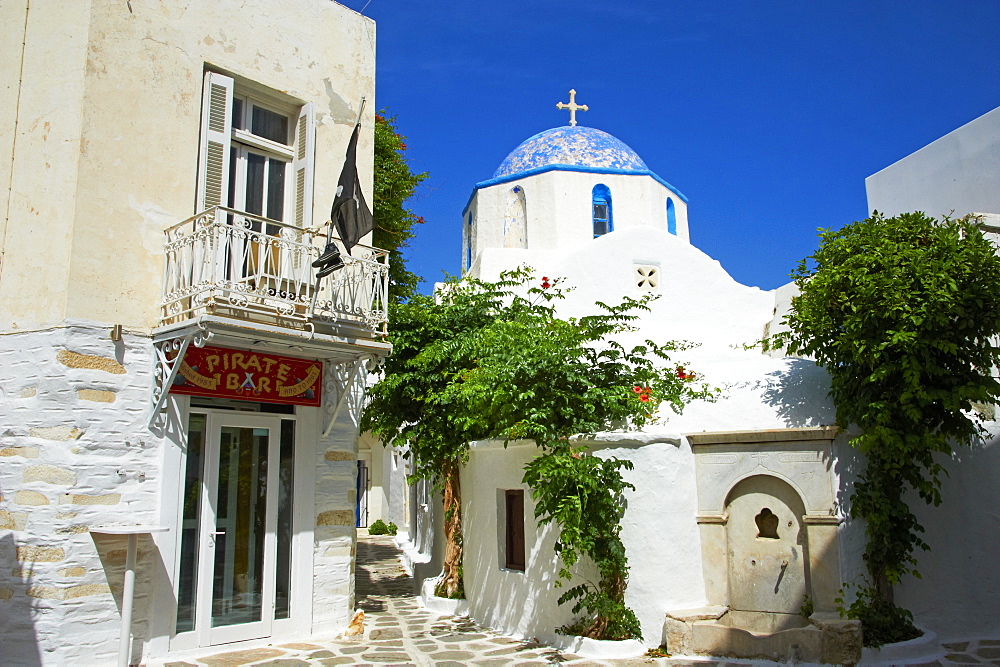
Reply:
x=572, y=146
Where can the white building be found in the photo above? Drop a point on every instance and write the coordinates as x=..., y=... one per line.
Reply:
x=579, y=205
x=167, y=365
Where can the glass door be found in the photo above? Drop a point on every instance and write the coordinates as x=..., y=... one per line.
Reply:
x=234, y=576
x=240, y=542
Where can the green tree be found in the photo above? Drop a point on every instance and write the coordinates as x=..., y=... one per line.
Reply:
x=493, y=361
x=394, y=222
x=903, y=312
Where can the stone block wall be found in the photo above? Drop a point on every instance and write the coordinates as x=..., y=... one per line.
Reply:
x=334, y=537
x=73, y=411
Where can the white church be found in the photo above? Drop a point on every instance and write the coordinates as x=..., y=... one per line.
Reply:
x=708, y=575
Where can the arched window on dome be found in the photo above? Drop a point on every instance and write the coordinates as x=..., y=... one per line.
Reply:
x=515, y=230
x=603, y=221
x=671, y=217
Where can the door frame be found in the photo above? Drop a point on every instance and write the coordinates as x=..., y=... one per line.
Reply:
x=299, y=622
x=210, y=635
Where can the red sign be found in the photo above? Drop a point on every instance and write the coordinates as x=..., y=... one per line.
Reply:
x=249, y=376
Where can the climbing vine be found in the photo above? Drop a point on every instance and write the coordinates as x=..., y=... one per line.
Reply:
x=903, y=312
x=492, y=360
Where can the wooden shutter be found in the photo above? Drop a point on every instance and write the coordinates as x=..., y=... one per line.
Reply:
x=302, y=166
x=515, y=530
x=216, y=141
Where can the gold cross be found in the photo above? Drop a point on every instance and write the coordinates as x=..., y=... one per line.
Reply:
x=572, y=106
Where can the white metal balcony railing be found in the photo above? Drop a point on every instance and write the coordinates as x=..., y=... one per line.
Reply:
x=223, y=261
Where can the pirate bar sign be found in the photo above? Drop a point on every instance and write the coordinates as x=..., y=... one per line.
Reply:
x=249, y=376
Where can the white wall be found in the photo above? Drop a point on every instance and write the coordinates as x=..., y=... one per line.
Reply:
x=559, y=209
x=954, y=175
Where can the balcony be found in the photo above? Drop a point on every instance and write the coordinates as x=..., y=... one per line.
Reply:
x=244, y=267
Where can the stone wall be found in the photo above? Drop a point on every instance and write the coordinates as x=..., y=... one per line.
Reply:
x=73, y=409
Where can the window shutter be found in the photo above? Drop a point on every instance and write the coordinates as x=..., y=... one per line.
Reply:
x=302, y=166
x=515, y=530
x=216, y=141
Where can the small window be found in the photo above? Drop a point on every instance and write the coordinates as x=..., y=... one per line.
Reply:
x=671, y=217
x=514, y=552
x=603, y=223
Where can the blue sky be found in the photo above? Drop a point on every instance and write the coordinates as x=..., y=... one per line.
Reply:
x=767, y=115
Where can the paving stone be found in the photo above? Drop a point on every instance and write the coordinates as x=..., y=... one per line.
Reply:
x=388, y=644
x=453, y=655
x=241, y=657
x=461, y=638
x=956, y=646
x=988, y=653
x=340, y=660
x=179, y=664
x=989, y=642
x=503, y=651
x=301, y=646
x=383, y=658
x=288, y=662
x=963, y=658
x=321, y=654
x=351, y=650
x=385, y=633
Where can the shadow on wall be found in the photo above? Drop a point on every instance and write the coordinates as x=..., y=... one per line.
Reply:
x=800, y=394
x=18, y=610
x=112, y=550
x=426, y=531
x=957, y=594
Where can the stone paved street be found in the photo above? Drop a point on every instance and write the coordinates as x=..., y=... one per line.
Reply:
x=399, y=632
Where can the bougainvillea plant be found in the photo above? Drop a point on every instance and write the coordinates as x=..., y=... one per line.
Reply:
x=493, y=360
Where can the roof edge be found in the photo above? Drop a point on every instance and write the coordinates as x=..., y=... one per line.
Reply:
x=590, y=170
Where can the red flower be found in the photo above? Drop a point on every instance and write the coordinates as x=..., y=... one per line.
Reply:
x=402, y=146
x=637, y=389
x=546, y=284
x=644, y=398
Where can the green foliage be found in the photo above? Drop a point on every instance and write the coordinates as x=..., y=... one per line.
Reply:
x=807, y=608
x=584, y=495
x=394, y=222
x=903, y=312
x=493, y=361
x=883, y=622
x=379, y=527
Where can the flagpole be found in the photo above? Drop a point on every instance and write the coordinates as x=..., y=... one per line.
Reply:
x=329, y=232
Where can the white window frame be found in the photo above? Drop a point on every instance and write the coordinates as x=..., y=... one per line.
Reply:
x=218, y=137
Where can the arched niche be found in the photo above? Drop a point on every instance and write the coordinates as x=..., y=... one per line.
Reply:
x=515, y=226
x=767, y=554
x=671, y=216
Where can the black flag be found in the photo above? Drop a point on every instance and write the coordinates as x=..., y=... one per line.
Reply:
x=350, y=212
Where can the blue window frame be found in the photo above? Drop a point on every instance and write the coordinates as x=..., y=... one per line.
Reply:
x=603, y=220
x=671, y=217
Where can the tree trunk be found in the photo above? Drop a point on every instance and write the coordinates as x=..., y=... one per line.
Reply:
x=451, y=577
